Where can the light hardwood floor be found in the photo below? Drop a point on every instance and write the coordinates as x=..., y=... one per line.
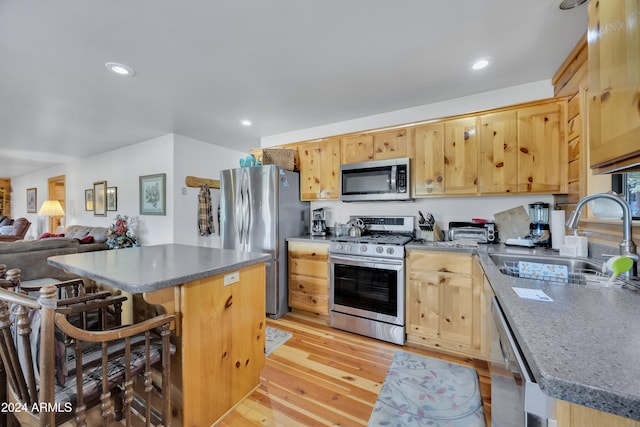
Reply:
x=326, y=377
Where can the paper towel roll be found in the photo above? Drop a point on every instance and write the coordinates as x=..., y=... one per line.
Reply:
x=557, y=229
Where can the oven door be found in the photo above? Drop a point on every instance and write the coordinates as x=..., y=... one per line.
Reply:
x=367, y=287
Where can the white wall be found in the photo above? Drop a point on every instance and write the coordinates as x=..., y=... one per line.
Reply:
x=122, y=168
x=444, y=209
x=196, y=158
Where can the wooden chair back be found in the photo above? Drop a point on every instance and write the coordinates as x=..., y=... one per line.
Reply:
x=31, y=369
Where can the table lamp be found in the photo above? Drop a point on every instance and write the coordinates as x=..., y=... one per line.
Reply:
x=51, y=208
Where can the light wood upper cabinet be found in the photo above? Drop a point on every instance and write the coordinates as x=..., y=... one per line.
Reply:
x=614, y=85
x=461, y=156
x=428, y=167
x=518, y=149
x=446, y=158
x=391, y=144
x=357, y=148
x=320, y=170
x=498, y=153
x=542, y=153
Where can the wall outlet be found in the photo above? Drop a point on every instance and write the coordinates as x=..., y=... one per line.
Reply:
x=231, y=278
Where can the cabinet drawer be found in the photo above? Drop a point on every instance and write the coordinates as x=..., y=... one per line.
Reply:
x=309, y=293
x=309, y=285
x=444, y=262
x=312, y=303
x=309, y=268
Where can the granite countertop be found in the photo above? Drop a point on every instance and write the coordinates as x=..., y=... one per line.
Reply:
x=149, y=268
x=584, y=346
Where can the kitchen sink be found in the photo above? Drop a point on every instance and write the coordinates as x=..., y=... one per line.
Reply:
x=553, y=269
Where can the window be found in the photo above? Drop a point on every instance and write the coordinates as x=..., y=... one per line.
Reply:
x=628, y=184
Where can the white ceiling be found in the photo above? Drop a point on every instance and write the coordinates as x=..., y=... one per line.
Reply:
x=203, y=65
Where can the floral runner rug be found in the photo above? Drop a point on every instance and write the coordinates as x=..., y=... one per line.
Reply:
x=422, y=391
x=274, y=339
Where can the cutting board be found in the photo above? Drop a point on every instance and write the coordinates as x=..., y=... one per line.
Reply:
x=512, y=223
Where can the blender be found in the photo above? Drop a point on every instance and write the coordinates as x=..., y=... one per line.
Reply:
x=539, y=230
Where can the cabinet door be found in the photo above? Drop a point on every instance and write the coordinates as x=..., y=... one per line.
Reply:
x=428, y=171
x=457, y=310
x=390, y=144
x=423, y=304
x=542, y=158
x=461, y=156
x=320, y=170
x=614, y=83
x=498, y=153
x=358, y=148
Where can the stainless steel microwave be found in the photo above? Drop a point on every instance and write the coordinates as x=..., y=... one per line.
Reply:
x=375, y=180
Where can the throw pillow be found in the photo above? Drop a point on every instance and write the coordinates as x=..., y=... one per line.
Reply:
x=86, y=239
x=50, y=235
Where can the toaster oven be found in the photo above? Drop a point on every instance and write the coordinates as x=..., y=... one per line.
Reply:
x=481, y=232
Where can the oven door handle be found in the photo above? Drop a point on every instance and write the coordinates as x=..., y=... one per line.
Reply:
x=364, y=261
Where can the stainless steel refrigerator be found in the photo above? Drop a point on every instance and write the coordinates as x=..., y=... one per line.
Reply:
x=259, y=208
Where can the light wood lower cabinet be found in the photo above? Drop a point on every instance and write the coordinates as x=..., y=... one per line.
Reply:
x=220, y=339
x=445, y=302
x=309, y=277
x=572, y=415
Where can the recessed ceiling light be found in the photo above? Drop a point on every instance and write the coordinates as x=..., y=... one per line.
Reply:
x=120, y=69
x=245, y=122
x=480, y=64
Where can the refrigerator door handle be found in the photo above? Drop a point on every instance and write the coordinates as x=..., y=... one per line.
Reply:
x=247, y=213
x=238, y=207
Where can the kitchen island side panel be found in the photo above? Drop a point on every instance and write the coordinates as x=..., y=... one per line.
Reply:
x=222, y=342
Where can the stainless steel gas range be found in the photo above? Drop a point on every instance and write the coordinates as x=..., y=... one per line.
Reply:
x=367, y=287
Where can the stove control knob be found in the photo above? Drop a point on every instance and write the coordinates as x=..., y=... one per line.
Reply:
x=339, y=246
x=390, y=251
x=379, y=249
x=363, y=248
x=347, y=247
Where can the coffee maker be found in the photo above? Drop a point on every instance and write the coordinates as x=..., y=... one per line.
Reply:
x=539, y=228
x=318, y=222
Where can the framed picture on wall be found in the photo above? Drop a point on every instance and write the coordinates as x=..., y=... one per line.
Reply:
x=112, y=198
x=153, y=194
x=100, y=198
x=88, y=199
x=32, y=200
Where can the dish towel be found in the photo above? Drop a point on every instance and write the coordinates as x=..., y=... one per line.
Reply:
x=205, y=214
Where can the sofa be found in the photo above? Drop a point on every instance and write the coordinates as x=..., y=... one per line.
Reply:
x=30, y=256
x=18, y=230
x=90, y=238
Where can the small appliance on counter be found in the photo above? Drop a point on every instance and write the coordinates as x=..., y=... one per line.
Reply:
x=540, y=232
x=481, y=232
x=318, y=222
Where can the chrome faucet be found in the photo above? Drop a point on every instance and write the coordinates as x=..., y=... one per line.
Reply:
x=627, y=245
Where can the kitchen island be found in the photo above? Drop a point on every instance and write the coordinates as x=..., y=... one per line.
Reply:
x=218, y=297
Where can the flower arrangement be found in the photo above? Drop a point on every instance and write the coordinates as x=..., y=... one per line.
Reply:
x=120, y=234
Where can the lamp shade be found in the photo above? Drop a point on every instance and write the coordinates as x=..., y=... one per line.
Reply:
x=51, y=208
